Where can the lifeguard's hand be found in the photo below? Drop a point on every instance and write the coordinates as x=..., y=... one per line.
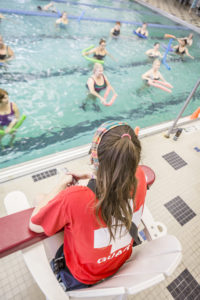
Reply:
x=79, y=176
x=65, y=181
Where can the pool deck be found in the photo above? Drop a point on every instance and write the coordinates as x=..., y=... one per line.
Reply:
x=174, y=8
x=16, y=281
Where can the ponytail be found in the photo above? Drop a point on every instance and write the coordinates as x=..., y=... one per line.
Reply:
x=116, y=182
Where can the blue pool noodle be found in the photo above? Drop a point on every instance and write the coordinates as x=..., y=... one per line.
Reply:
x=165, y=55
x=80, y=17
x=56, y=15
x=140, y=35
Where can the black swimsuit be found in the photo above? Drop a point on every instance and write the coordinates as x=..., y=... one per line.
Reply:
x=3, y=56
x=99, y=56
x=178, y=51
x=116, y=32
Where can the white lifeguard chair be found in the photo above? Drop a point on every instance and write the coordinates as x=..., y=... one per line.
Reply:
x=150, y=263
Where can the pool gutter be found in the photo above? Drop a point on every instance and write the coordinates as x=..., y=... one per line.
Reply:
x=46, y=162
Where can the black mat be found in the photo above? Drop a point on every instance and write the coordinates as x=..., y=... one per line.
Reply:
x=184, y=287
x=174, y=160
x=180, y=210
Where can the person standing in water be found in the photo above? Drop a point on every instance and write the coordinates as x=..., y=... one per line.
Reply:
x=154, y=74
x=9, y=115
x=154, y=52
x=99, y=52
x=143, y=30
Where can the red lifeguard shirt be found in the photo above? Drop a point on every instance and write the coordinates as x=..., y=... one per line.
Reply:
x=89, y=253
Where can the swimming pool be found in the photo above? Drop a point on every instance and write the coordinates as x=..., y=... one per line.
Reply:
x=47, y=78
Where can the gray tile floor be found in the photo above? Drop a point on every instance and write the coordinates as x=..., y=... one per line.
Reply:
x=17, y=283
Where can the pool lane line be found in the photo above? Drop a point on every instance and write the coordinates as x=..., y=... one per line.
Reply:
x=106, y=7
x=56, y=15
x=40, y=37
x=51, y=137
x=7, y=77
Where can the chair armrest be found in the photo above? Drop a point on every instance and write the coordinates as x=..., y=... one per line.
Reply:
x=152, y=230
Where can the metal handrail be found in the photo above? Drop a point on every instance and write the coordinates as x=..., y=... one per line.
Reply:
x=167, y=135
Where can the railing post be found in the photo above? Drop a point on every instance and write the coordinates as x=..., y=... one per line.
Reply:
x=167, y=135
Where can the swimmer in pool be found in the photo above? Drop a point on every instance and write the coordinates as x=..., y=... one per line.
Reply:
x=143, y=30
x=98, y=82
x=9, y=115
x=154, y=53
x=95, y=84
x=49, y=7
x=154, y=74
x=6, y=52
x=181, y=49
x=99, y=52
x=63, y=19
x=115, y=31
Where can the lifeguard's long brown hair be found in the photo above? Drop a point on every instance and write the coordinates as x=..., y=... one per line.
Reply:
x=116, y=182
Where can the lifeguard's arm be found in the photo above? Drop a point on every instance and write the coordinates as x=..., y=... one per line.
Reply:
x=16, y=119
x=90, y=84
x=79, y=176
x=108, y=84
x=64, y=182
x=89, y=52
x=146, y=33
x=188, y=54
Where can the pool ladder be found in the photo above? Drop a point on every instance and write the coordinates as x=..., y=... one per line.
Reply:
x=167, y=135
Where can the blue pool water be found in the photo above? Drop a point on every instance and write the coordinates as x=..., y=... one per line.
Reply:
x=48, y=75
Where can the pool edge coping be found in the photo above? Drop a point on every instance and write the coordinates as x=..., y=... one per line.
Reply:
x=52, y=160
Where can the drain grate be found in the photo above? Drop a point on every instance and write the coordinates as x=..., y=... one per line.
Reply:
x=184, y=287
x=43, y=175
x=180, y=210
x=174, y=160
